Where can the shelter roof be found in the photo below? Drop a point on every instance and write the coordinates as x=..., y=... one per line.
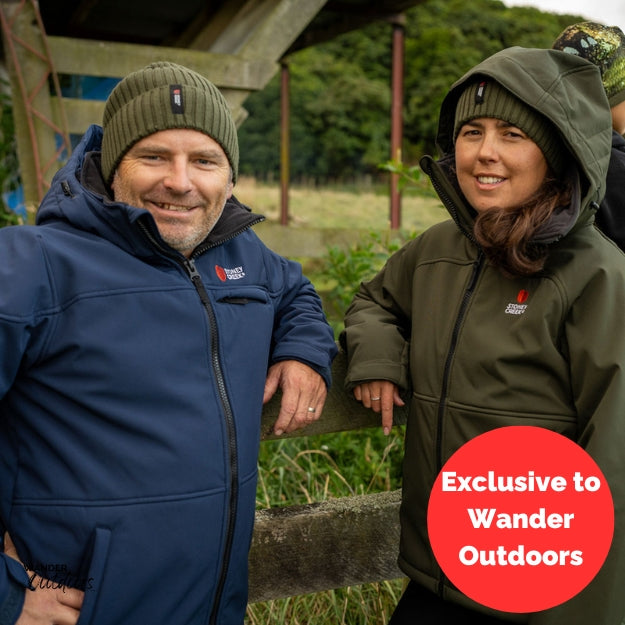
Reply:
x=163, y=22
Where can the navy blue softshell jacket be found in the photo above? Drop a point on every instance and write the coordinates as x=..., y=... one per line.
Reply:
x=132, y=383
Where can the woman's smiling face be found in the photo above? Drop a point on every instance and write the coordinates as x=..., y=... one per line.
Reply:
x=497, y=164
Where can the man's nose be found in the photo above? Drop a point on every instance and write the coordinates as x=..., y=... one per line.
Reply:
x=177, y=177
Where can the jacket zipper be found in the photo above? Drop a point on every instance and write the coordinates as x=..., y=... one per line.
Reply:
x=231, y=431
x=196, y=279
x=466, y=298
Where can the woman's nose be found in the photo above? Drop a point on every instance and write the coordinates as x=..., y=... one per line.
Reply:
x=488, y=148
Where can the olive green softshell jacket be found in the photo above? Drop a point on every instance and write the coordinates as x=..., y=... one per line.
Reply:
x=450, y=330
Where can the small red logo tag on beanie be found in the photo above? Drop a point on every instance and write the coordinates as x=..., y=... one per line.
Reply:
x=479, y=92
x=175, y=94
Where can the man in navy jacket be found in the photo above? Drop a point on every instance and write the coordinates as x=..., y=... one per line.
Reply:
x=142, y=326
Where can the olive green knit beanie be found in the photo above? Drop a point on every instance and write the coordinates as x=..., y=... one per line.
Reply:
x=162, y=96
x=489, y=99
x=602, y=45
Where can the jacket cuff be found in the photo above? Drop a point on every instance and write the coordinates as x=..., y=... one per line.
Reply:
x=12, y=605
x=324, y=372
x=13, y=582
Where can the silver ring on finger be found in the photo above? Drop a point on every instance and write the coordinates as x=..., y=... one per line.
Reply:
x=311, y=409
x=376, y=398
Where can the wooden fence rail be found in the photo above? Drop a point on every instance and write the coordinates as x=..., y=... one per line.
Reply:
x=332, y=544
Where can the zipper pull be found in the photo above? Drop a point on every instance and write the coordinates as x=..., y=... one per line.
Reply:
x=67, y=190
x=194, y=274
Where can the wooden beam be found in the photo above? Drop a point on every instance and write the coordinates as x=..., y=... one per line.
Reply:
x=82, y=113
x=255, y=28
x=209, y=24
x=341, y=412
x=332, y=544
x=29, y=68
x=311, y=242
x=84, y=57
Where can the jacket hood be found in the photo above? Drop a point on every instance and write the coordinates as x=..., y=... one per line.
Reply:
x=566, y=89
x=79, y=196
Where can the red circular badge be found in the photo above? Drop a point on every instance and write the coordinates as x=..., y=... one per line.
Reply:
x=520, y=519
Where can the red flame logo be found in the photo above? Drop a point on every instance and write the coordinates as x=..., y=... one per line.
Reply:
x=221, y=274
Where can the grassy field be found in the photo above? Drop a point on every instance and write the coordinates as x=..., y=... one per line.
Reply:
x=363, y=208
x=308, y=469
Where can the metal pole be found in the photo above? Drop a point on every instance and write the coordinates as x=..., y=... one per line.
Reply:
x=284, y=144
x=398, y=23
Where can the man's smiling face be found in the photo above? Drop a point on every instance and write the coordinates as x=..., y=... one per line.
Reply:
x=183, y=178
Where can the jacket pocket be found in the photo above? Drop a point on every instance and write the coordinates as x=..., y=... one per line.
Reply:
x=101, y=539
x=242, y=296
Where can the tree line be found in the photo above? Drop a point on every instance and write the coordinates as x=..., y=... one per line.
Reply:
x=340, y=91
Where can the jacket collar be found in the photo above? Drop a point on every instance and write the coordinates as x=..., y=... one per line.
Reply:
x=79, y=196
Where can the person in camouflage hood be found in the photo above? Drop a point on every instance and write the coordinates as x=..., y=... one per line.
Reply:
x=602, y=45
x=605, y=47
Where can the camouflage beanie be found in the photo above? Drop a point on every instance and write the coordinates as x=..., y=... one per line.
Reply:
x=162, y=96
x=605, y=47
x=489, y=99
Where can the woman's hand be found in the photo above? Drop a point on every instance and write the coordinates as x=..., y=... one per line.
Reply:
x=381, y=396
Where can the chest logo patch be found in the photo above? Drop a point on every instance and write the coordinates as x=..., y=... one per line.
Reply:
x=518, y=307
x=233, y=273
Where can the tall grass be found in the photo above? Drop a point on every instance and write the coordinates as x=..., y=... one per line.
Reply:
x=304, y=470
x=369, y=604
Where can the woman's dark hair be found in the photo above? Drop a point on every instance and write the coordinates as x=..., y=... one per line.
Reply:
x=507, y=236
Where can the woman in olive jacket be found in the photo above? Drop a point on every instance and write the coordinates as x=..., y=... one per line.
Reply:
x=510, y=313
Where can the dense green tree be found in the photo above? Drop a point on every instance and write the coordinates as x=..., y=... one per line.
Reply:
x=259, y=136
x=340, y=90
x=445, y=38
x=339, y=118
x=348, y=115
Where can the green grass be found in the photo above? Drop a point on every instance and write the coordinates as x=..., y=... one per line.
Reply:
x=369, y=604
x=367, y=208
x=308, y=469
x=316, y=468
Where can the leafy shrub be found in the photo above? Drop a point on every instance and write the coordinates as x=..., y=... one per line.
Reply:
x=345, y=268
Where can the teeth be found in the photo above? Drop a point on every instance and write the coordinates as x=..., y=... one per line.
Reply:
x=174, y=207
x=489, y=179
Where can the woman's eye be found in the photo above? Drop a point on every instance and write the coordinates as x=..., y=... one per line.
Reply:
x=515, y=132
